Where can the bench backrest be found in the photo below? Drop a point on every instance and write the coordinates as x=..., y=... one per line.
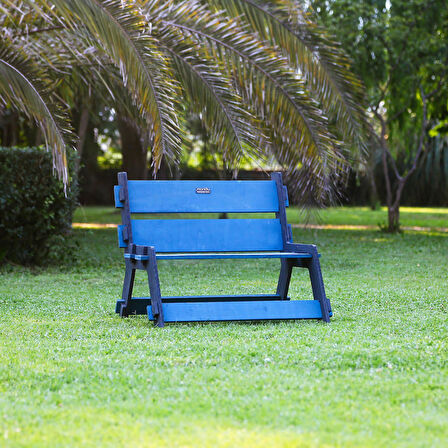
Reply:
x=203, y=235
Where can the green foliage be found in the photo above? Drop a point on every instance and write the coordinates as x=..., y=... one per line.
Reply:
x=24, y=85
x=397, y=49
x=291, y=97
x=429, y=184
x=35, y=214
x=111, y=158
x=400, y=50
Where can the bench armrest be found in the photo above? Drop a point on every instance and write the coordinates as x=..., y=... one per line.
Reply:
x=303, y=248
x=135, y=249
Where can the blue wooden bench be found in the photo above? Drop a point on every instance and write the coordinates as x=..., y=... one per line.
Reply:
x=148, y=240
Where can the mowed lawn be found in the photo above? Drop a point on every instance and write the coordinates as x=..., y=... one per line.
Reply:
x=72, y=373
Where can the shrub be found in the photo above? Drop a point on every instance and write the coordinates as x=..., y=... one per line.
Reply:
x=35, y=214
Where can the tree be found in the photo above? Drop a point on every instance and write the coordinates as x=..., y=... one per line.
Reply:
x=400, y=50
x=264, y=78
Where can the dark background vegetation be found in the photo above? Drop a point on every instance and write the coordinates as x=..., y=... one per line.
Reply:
x=35, y=212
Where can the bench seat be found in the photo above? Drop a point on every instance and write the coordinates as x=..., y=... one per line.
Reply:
x=217, y=255
x=240, y=310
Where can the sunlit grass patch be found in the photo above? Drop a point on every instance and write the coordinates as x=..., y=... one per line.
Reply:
x=424, y=210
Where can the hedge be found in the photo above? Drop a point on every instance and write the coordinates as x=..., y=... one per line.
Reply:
x=35, y=213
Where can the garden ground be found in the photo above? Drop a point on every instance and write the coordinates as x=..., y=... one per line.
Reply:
x=72, y=373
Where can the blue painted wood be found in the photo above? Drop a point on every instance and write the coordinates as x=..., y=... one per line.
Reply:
x=217, y=255
x=207, y=235
x=233, y=196
x=136, y=257
x=121, y=242
x=281, y=214
x=148, y=240
x=250, y=310
x=289, y=230
x=154, y=288
x=117, y=201
x=284, y=277
x=317, y=282
x=285, y=195
x=123, y=197
x=138, y=305
x=128, y=285
x=232, y=255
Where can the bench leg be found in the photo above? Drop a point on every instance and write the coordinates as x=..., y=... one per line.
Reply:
x=284, y=278
x=317, y=285
x=128, y=285
x=154, y=288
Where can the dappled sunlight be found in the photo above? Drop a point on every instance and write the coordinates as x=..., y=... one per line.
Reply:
x=93, y=225
x=232, y=435
x=381, y=240
x=333, y=226
x=151, y=431
x=437, y=230
x=425, y=210
x=428, y=232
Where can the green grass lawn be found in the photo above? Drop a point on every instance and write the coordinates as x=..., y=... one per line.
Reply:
x=72, y=373
x=410, y=216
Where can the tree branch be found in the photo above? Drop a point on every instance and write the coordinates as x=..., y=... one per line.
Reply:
x=40, y=30
x=394, y=164
x=420, y=143
x=383, y=144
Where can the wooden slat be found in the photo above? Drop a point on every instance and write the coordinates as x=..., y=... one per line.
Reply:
x=138, y=305
x=190, y=196
x=125, y=213
x=281, y=214
x=218, y=255
x=222, y=255
x=207, y=235
x=249, y=310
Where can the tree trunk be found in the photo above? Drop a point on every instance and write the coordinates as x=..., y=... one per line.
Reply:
x=393, y=215
x=133, y=152
x=82, y=133
x=373, y=192
x=10, y=134
x=38, y=138
x=393, y=209
x=89, y=182
x=394, y=197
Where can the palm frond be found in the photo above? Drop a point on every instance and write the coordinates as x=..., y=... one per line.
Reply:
x=121, y=33
x=22, y=86
x=210, y=92
x=266, y=80
x=321, y=61
x=263, y=78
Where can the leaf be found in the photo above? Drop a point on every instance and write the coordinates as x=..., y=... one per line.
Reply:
x=23, y=86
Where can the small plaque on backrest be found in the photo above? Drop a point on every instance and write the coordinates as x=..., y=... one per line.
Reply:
x=203, y=190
